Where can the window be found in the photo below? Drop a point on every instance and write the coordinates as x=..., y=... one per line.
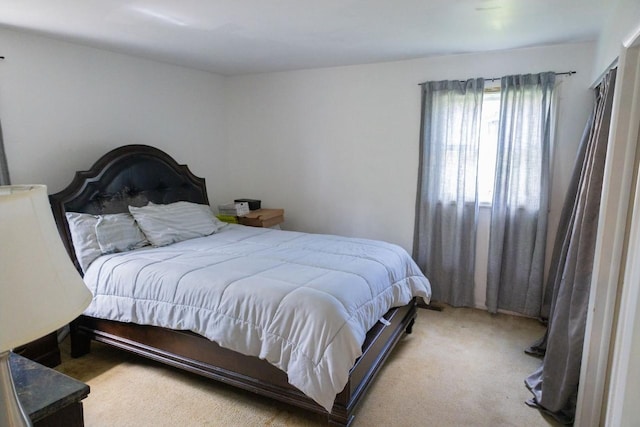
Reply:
x=488, y=144
x=485, y=144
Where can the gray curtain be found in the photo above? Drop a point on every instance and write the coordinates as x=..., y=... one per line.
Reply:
x=447, y=202
x=563, y=233
x=555, y=384
x=4, y=168
x=519, y=211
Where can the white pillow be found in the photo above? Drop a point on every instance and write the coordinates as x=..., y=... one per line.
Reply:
x=83, y=235
x=119, y=233
x=175, y=222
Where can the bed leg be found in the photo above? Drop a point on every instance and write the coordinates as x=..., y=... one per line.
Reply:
x=80, y=342
x=409, y=328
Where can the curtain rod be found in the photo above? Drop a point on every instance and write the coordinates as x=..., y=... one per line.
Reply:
x=564, y=73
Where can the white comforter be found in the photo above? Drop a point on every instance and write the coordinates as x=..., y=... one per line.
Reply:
x=303, y=302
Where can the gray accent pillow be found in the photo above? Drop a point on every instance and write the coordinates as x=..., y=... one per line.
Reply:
x=83, y=235
x=119, y=233
x=96, y=235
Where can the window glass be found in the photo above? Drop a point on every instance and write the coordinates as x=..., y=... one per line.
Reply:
x=488, y=145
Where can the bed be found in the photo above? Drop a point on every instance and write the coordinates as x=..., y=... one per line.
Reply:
x=140, y=176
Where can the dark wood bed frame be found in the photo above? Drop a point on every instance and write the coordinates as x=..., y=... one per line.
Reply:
x=137, y=174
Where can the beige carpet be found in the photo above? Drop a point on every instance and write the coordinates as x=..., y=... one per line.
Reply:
x=460, y=367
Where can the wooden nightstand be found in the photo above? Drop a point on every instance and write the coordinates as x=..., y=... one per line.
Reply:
x=44, y=350
x=49, y=398
x=263, y=218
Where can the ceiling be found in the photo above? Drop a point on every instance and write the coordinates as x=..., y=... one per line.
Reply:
x=233, y=37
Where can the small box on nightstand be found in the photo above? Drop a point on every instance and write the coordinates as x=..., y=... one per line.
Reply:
x=254, y=204
x=263, y=218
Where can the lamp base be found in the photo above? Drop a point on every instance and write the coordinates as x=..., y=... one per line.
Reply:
x=11, y=412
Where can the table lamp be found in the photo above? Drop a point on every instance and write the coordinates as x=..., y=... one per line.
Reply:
x=40, y=289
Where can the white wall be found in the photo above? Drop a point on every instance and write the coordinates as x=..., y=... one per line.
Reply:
x=338, y=147
x=623, y=20
x=63, y=105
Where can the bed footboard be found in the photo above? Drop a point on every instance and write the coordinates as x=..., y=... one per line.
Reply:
x=197, y=354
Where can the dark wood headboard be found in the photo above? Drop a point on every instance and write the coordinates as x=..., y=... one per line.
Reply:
x=131, y=175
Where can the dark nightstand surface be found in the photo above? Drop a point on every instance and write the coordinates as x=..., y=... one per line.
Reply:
x=42, y=391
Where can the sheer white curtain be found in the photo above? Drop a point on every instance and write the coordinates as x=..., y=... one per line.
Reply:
x=447, y=200
x=517, y=242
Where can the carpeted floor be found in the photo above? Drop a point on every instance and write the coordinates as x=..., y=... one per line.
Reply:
x=460, y=367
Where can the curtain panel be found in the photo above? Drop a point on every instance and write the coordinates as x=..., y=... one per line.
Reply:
x=555, y=384
x=519, y=211
x=447, y=201
x=4, y=168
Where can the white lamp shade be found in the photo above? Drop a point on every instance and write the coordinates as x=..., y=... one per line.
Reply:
x=40, y=289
